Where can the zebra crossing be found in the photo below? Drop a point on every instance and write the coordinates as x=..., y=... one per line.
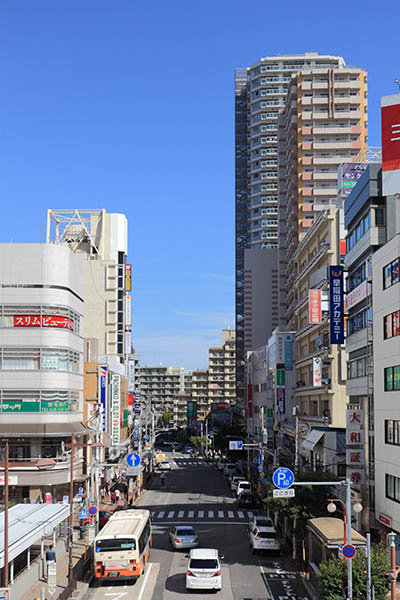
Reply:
x=199, y=515
x=184, y=462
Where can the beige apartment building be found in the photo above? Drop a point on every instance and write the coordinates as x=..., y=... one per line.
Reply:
x=200, y=392
x=160, y=385
x=322, y=125
x=221, y=370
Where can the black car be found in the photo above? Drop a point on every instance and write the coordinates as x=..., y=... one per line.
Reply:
x=247, y=500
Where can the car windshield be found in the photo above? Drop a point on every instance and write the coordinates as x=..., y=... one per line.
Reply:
x=265, y=535
x=263, y=522
x=115, y=545
x=203, y=563
x=187, y=531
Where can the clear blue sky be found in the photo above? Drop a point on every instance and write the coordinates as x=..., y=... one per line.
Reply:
x=128, y=106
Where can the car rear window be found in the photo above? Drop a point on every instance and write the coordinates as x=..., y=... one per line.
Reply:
x=245, y=486
x=264, y=522
x=266, y=535
x=115, y=545
x=203, y=563
x=184, y=532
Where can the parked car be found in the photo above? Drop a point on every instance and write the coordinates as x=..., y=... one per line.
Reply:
x=260, y=521
x=264, y=538
x=183, y=536
x=247, y=500
x=176, y=445
x=243, y=486
x=204, y=570
x=230, y=469
x=164, y=465
x=104, y=515
x=235, y=480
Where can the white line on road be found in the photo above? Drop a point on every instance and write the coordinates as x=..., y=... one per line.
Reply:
x=221, y=514
x=210, y=514
x=230, y=514
x=240, y=514
x=249, y=514
x=180, y=514
x=171, y=514
x=265, y=580
x=201, y=514
x=191, y=514
x=241, y=523
x=145, y=581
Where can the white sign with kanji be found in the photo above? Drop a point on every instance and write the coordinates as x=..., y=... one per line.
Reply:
x=354, y=438
x=354, y=419
x=356, y=476
x=354, y=456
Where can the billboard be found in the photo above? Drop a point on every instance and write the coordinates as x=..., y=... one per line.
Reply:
x=317, y=371
x=336, y=304
x=102, y=395
x=191, y=413
x=390, y=113
x=128, y=310
x=314, y=306
x=128, y=278
x=348, y=175
x=115, y=408
x=131, y=375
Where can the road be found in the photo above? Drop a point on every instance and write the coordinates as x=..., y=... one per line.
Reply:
x=196, y=493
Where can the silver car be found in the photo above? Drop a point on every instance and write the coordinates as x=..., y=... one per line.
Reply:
x=183, y=536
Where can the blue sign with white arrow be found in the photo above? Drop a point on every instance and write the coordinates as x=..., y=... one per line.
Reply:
x=133, y=460
x=283, y=478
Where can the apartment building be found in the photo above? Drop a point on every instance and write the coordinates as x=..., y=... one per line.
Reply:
x=322, y=125
x=221, y=370
x=260, y=93
x=41, y=375
x=160, y=385
x=199, y=392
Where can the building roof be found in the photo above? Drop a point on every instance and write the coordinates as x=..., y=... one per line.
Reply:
x=330, y=531
x=27, y=524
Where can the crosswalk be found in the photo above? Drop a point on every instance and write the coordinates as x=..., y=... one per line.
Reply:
x=183, y=462
x=184, y=515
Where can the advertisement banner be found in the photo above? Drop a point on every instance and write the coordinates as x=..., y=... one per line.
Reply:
x=131, y=375
x=191, y=413
x=390, y=144
x=128, y=341
x=336, y=304
x=355, y=457
x=317, y=371
x=128, y=275
x=249, y=400
x=314, y=306
x=102, y=395
x=356, y=295
x=280, y=377
x=128, y=311
x=288, y=352
x=356, y=476
x=348, y=175
x=43, y=321
x=280, y=400
x=354, y=419
x=280, y=348
x=115, y=408
x=354, y=438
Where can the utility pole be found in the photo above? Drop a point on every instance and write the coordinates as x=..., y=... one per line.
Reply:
x=393, y=570
x=349, y=560
x=206, y=437
x=5, y=569
x=201, y=433
x=71, y=509
x=297, y=457
x=368, y=556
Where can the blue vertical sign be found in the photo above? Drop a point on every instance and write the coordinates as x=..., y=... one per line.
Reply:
x=288, y=352
x=336, y=305
x=103, y=396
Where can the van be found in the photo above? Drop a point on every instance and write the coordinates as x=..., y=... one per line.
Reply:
x=204, y=570
x=243, y=486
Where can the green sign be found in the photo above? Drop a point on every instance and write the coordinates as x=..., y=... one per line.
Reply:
x=26, y=406
x=125, y=418
x=348, y=184
x=280, y=377
x=270, y=413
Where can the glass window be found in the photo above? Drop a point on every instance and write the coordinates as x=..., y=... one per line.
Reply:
x=396, y=378
x=387, y=276
x=396, y=323
x=389, y=379
x=395, y=271
x=353, y=369
x=379, y=216
x=115, y=545
x=389, y=435
x=388, y=331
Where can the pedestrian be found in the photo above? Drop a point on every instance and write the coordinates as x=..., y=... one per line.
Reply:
x=162, y=477
x=117, y=494
x=51, y=554
x=113, y=497
x=103, y=494
x=126, y=491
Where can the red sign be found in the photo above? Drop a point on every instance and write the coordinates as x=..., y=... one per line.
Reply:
x=43, y=321
x=391, y=135
x=130, y=399
x=385, y=520
x=314, y=306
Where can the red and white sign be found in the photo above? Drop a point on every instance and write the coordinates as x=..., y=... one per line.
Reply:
x=356, y=295
x=314, y=306
x=354, y=438
x=355, y=456
x=387, y=521
x=317, y=371
x=354, y=419
x=12, y=479
x=43, y=321
x=391, y=144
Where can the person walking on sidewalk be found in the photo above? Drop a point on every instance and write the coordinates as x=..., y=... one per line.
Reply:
x=162, y=477
x=103, y=494
x=113, y=497
x=117, y=494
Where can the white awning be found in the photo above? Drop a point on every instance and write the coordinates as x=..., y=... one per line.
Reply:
x=312, y=439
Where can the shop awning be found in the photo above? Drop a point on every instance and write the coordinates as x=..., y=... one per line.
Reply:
x=313, y=437
x=15, y=430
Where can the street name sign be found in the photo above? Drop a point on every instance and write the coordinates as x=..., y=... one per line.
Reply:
x=133, y=471
x=283, y=478
x=237, y=445
x=133, y=459
x=288, y=493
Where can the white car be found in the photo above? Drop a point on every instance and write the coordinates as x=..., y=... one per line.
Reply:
x=243, y=486
x=204, y=570
x=164, y=465
x=230, y=469
x=235, y=480
x=264, y=538
x=260, y=521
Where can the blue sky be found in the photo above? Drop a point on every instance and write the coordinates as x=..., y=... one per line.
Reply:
x=128, y=106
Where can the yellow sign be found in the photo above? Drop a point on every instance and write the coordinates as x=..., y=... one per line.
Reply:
x=128, y=273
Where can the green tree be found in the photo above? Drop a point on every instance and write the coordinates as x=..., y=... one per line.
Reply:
x=332, y=580
x=166, y=417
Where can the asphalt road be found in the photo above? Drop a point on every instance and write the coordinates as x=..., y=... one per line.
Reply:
x=196, y=493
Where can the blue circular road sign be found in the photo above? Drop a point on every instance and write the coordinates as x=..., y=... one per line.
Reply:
x=133, y=459
x=348, y=551
x=283, y=478
x=92, y=510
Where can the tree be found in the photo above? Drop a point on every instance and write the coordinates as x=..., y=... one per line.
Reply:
x=166, y=417
x=332, y=581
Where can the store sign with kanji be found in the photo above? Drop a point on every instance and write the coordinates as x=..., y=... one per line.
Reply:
x=354, y=419
x=354, y=438
x=43, y=321
x=355, y=457
x=356, y=476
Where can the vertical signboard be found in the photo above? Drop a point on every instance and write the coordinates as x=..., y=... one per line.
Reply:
x=128, y=310
x=115, y=408
x=128, y=341
x=102, y=394
x=191, y=413
x=249, y=400
x=314, y=306
x=288, y=352
x=355, y=456
x=391, y=144
x=336, y=304
x=131, y=375
x=317, y=371
x=128, y=274
x=348, y=175
x=280, y=400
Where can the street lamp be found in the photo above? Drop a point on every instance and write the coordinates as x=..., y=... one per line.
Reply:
x=357, y=507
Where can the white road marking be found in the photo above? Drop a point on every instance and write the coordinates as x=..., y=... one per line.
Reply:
x=230, y=514
x=240, y=514
x=250, y=514
x=221, y=514
x=116, y=595
x=265, y=580
x=191, y=514
x=171, y=514
x=200, y=514
x=145, y=581
x=210, y=514
x=160, y=514
x=180, y=514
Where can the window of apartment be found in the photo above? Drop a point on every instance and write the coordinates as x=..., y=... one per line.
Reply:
x=358, y=231
x=391, y=273
x=391, y=325
x=392, y=379
x=356, y=277
x=392, y=432
x=392, y=487
x=359, y=321
x=357, y=368
x=30, y=359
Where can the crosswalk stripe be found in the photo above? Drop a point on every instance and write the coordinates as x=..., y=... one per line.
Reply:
x=221, y=514
x=191, y=514
x=249, y=514
x=210, y=514
x=171, y=514
x=230, y=514
x=201, y=514
x=160, y=514
x=180, y=514
x=153, y=512
x=240, y=514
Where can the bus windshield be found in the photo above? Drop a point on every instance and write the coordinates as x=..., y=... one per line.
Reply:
x=113, y=545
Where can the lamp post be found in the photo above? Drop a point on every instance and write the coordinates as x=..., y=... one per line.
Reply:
x=357, y=507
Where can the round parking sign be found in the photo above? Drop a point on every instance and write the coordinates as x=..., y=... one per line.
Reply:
x=348, y=551
x=283, y=478
x=92, y=510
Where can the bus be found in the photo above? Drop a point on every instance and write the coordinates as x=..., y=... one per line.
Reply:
x=122, y=547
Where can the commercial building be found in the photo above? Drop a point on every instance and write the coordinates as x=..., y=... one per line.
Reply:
x=41, y=375
x=322, y=125
x=260, y=92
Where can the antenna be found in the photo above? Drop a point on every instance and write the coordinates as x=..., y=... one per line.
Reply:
x=397, y=83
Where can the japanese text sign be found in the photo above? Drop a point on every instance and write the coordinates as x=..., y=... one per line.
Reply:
x=336, y=304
